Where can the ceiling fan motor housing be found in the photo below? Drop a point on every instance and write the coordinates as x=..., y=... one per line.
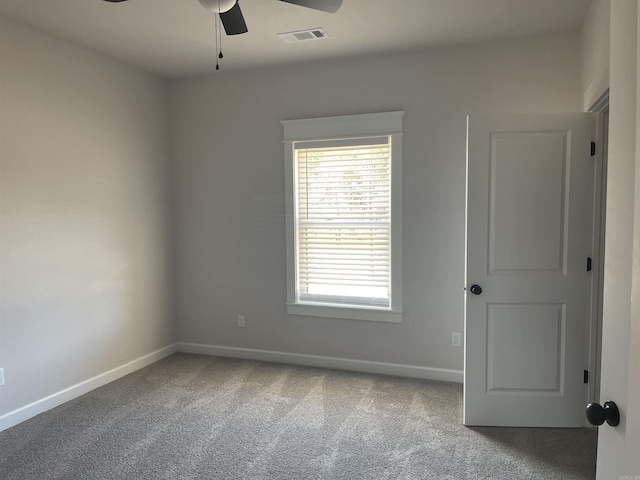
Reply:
x=218, y=6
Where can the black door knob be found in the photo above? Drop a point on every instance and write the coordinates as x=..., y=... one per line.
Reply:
x=597, y=414
x=476, y=289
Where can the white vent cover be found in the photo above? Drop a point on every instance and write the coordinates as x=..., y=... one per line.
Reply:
x=303, y=35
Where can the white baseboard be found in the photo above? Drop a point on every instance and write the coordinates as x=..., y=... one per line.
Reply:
x=413, y=371
x=40, y=406
x=28, y=411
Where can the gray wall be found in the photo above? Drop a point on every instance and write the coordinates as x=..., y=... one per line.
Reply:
x=85, y=250
x=229, y=188
x=595, y=51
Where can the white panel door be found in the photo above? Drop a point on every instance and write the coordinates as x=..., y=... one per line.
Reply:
x=529, y=220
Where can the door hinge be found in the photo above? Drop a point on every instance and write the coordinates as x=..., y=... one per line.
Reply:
x=585, y=377
x=589, y=262
x=593, y=148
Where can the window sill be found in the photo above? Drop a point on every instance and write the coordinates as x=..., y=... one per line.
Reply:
x=349, y=313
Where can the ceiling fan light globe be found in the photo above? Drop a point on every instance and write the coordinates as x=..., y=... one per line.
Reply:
x=218, y=6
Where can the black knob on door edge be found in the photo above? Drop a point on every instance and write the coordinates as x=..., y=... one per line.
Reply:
x=476, y=289
x=597, y=414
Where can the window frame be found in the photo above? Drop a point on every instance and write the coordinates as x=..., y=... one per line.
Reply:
x=387, y=124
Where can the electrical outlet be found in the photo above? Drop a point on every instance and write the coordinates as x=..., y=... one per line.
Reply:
x=241, y=321
x=1, y=376
x=455, y=339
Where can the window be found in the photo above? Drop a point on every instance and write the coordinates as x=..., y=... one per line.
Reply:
x=344, y=219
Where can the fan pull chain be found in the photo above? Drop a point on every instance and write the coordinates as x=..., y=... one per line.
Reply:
x=218, y=38
x=220, y=55
x=217, y=44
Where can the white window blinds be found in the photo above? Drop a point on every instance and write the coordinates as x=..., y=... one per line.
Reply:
x=342, y=195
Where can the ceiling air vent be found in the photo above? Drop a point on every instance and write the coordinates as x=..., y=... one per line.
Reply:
x=303, y=35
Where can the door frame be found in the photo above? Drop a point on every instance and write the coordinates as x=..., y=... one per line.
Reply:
x=600, y=107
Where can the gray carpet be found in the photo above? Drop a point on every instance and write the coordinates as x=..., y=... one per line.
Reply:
x=199, y=417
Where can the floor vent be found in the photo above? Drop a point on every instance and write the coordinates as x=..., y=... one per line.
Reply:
x=303, y=35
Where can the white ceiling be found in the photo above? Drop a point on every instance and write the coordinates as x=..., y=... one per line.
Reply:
x=176, y=38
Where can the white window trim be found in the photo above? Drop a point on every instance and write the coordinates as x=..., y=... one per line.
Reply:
x=333, y=128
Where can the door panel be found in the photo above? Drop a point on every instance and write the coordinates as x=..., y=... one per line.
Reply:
x=528, y=174
x=529, y=218
x=525, y=348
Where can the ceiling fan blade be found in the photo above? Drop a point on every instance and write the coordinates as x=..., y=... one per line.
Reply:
x=233, y=21
x=115, y=1
x=329, y=6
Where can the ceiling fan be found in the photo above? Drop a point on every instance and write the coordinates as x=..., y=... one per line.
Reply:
x=233, y=20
